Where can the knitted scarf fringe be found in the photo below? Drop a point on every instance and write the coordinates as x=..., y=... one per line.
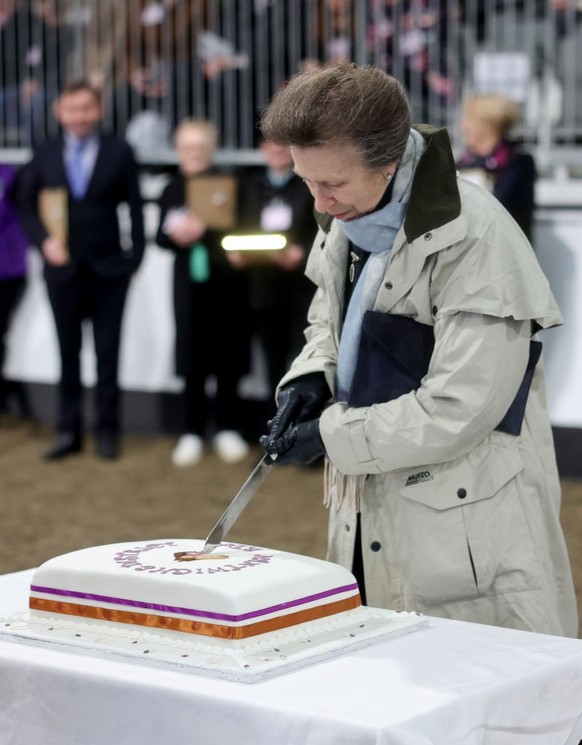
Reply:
x=339, y=488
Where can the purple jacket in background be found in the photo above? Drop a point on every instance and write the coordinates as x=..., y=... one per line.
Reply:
x=13, y=242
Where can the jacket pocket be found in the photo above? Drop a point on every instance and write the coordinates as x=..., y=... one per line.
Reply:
x=468, y=534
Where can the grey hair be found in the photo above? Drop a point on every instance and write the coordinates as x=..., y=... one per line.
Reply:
x=361, y=106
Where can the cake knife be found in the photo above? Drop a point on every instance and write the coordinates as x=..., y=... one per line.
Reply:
x=239, y=502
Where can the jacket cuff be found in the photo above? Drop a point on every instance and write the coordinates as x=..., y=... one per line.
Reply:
x=342, y=430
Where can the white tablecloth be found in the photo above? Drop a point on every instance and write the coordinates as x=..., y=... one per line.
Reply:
x=452, y=683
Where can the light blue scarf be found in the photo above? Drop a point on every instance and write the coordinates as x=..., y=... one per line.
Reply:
x=374, y=233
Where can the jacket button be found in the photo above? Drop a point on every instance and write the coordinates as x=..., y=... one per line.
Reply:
x=461, y=493
x=428, y=236
x=434, y=310
x=347, y=528
x=375, y=545
x=388, y=285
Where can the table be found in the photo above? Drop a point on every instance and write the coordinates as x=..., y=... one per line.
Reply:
x=451, y=683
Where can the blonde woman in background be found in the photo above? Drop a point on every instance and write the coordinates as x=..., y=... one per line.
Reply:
x=493, y=160
x=210, y=306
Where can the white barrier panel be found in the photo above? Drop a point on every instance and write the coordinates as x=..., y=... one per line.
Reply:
x=147, y=338
x=558, y=246
x=148, y=331
x=147, y=341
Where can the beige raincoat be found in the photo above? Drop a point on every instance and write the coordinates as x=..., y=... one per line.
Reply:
x=458, y=520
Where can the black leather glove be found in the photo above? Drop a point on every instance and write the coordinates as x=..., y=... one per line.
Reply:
x=299, y=445
x=299, y=401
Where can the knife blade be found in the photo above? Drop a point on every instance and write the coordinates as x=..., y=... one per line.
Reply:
x=238, y=503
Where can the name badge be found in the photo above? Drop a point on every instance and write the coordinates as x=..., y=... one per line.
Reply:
x=276, y=218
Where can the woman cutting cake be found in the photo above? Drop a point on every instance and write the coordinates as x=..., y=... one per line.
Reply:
x=421, y=378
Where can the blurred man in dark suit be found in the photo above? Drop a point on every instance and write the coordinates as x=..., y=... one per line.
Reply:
x=86, y=175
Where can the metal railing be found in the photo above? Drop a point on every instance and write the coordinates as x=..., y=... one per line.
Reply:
x=158, y=61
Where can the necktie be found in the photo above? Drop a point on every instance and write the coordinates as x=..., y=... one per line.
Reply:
x=77, y=171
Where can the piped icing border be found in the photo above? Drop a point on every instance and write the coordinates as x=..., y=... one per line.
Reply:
x=196, y=627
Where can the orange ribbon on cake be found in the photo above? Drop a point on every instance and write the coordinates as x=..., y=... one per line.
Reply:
x=219, y=631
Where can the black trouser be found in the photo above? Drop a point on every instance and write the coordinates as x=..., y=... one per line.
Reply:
x=100, y=299
x=280, y=332
x=222, y=410
x=211, y=341
x=358, y=564
x=11, y=290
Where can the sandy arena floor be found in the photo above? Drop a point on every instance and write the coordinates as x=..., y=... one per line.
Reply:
x=51, y=508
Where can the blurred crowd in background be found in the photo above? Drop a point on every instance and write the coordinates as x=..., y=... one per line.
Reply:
x=159, y=61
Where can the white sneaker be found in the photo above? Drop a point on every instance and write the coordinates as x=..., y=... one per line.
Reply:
x=230, y=446
x=188, y=450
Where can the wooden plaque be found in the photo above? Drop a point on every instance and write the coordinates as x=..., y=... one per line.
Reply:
x=213, y=200
x=53, y=210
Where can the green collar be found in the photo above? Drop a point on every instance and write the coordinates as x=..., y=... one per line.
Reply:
x=434, y=198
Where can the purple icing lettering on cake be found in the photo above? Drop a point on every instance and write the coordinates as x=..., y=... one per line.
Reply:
x=129, y=559
x=256, y=560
